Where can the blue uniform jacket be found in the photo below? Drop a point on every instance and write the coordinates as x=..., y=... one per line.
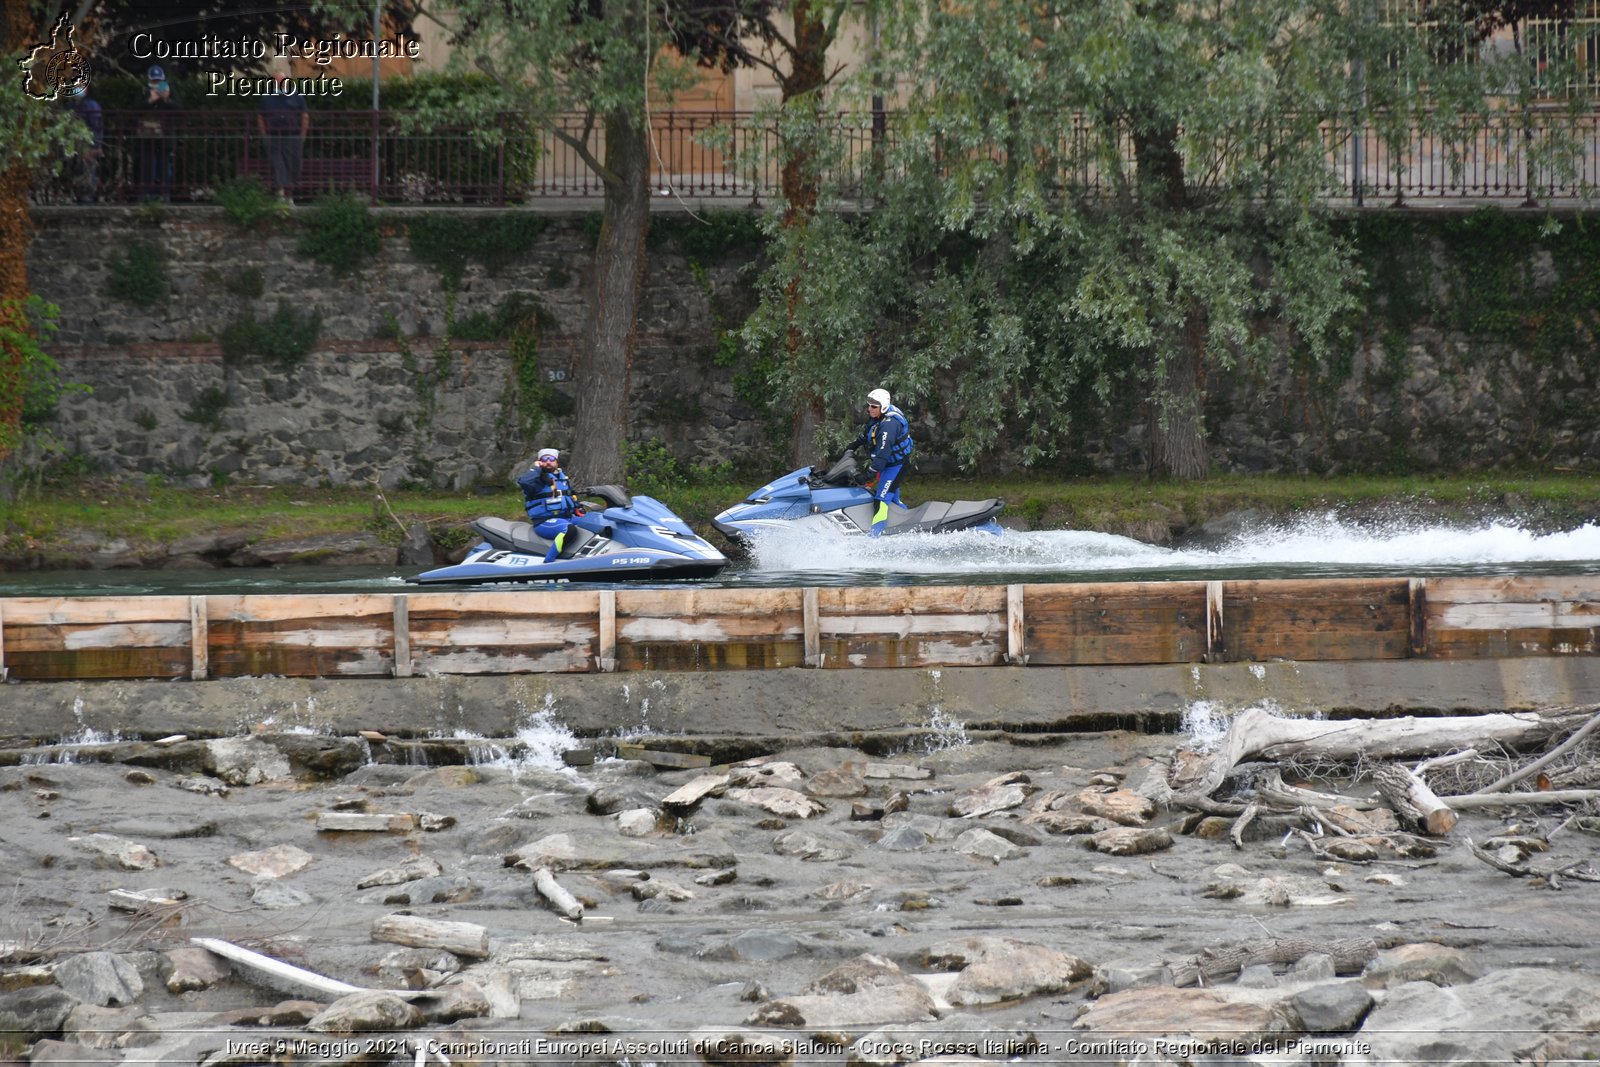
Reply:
x=548, y=494
x=889, y=437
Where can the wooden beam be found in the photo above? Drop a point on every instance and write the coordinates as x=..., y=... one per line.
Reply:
x=1216, y=644
x=199, y=640
x=1016, y=628
x=606, y=639
x=402, y=636
x=811, y=623
x=1418, y=610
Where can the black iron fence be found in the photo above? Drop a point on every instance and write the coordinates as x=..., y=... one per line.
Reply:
x=389, y=157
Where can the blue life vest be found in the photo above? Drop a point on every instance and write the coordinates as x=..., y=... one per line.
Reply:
x=884, y=451
x=548, y=493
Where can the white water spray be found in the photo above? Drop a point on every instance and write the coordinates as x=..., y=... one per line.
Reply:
x=1324, y=542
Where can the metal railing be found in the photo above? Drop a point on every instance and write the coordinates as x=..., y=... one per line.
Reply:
x=734, y=156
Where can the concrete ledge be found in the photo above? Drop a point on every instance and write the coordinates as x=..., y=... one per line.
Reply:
x=787, y=702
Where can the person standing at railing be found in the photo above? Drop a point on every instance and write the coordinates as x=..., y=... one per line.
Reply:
x=153, y=143
x=284, y=121
x=84, y=168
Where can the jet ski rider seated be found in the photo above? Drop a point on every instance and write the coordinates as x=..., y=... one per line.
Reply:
x=549, y=501
x=888, y=435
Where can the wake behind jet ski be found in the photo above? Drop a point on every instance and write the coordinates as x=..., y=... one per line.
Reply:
x=632, y=539
x=834, y=501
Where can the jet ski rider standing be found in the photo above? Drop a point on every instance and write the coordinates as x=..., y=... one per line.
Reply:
x=888, y=435
x=548, y=500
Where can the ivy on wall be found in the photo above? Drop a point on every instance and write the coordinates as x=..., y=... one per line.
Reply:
x=447, y=242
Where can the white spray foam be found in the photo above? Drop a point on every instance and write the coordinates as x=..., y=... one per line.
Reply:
x=1322, y=539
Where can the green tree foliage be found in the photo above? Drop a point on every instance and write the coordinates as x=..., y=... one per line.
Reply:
x=610, y=61
x=1078, y=197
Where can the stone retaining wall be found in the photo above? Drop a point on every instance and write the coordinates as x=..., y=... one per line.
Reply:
x=363, y=405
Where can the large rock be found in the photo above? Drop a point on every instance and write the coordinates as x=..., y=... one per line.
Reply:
x=1332, y=1007
x=789, y=803
x=279, y=861
x=866, y=991
x=102, y=978
x=1526, y=1015
x=1421, y=962
x=985, y=845
x=996, y=969
x=118, y=851
x=245, y=761
x=1205, y=1016
x=195, y=968
x=34, y=1011
x=371, y=1010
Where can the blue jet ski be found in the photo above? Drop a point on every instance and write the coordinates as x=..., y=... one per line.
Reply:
x=632, y=539
x=833, y=502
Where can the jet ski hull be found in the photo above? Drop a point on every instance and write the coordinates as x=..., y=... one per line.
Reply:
x=830, y=503
x=636, y=539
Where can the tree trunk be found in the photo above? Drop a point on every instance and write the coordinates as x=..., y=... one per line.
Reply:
x=605, y=358
x=1176, y=423
x=799, y=183
x=1176, y=426
x=16, y=34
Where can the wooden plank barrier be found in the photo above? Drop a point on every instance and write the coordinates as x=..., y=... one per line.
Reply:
x=709, y=629
x=690, y=628
x=310, y=636
x=504, y=632
x=1341, y=619
x=1115, y=623
x=1509, y=616
x=912, y=626
x=61, y=638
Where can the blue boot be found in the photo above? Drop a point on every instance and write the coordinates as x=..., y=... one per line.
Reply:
x=555, y=548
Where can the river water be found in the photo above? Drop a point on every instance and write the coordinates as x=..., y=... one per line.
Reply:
x=1313, y=546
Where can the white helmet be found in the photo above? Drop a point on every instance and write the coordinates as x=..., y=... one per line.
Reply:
x=879, y=397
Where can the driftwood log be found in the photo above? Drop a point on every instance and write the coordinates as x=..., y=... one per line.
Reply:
x=1410, y=796
x=464, y=939
x=1349, y=955
x=562, y=902
x=1258, y=733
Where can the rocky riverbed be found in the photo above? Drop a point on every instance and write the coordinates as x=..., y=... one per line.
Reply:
x=970, y=900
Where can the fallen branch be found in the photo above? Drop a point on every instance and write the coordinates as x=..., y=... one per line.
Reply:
x=1237, y=832
x=1547, y=759
x=1276, y=791
x=1549, y=796
x=1438, y=762
x=1579, y=870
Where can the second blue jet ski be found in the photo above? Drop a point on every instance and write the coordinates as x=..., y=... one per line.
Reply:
x=833, y=501
x=634, y=538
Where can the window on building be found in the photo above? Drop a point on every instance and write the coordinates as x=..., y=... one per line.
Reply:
x=1565, y=53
